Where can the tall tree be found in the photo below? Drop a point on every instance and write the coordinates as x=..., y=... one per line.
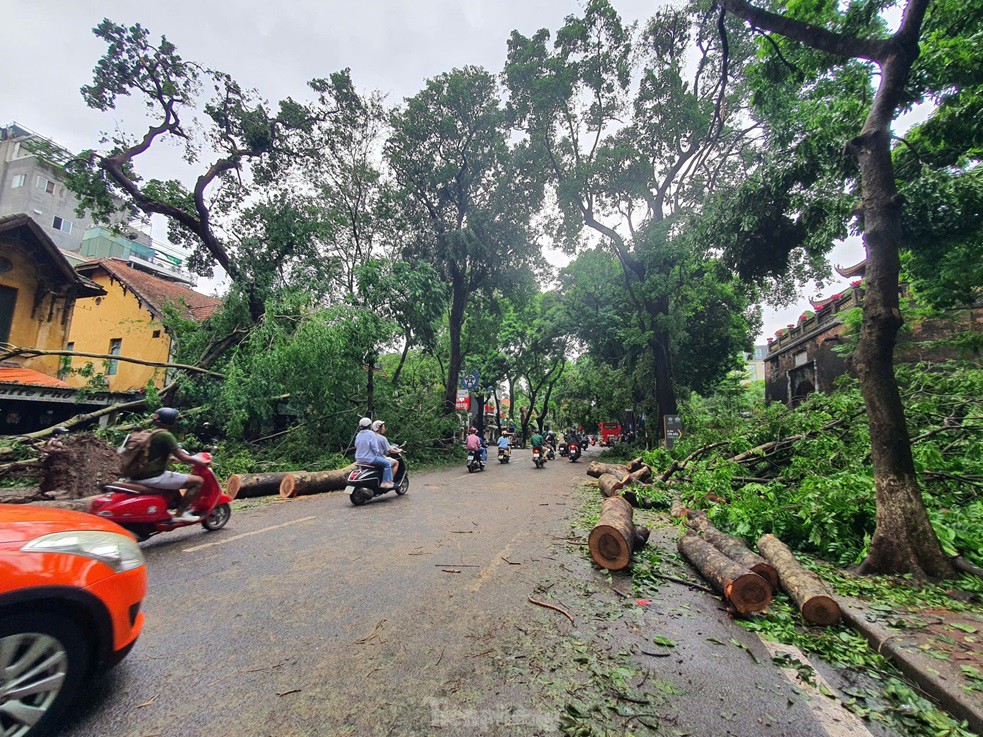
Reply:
x=630, y=137
x=904, y=540
x=470, y=193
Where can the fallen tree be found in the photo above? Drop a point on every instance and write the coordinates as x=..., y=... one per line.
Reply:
x=733, y=547
x=615, y=537
x=597, y=469
x=251, y=485
x=609, y=485
x=317, y=482
x=746, y=591
x=807, y=590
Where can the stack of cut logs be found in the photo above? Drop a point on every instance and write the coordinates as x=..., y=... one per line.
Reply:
x=287, y=484
x=745, y=579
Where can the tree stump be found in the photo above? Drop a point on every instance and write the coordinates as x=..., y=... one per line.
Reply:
x=733, y=547
x=304, y=483
x=612, y=540
x=807, y=590
x=747, y=592
x=250, y=485
x=609, y=485
x=598, y=469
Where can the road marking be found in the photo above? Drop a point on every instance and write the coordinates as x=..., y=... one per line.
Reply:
x=193, y=548
x=835, y=720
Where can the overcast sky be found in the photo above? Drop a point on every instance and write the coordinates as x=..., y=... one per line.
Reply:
x=48, y=52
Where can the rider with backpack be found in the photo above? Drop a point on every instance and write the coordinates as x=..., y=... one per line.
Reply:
x=145, y=456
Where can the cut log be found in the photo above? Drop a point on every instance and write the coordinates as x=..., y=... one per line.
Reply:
x=76, y=505
x=813, y=597
x=613, y=538
x=609, y=485
x=641, y=475
x=303, y=483
x=635, y=463
x=733, y=547
x=641, y=537
x=250, y=485
x=598, y=469
x=747, y=592
x=677, y=508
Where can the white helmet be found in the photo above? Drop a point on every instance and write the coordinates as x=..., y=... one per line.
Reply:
x=365, y=422
x=377, y=424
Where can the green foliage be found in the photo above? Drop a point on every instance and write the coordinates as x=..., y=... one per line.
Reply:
x=819, y=496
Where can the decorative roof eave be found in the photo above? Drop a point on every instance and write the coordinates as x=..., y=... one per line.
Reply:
x=76, y=285
x=858, y=269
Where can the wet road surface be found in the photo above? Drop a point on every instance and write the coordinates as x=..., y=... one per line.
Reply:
x=410, y=616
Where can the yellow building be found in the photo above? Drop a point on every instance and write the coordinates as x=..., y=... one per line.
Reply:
x=128, y=321
x=38, y=291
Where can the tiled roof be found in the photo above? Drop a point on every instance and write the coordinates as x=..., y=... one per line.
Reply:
x=155, y=292
x=60, y=275
x=18, y=375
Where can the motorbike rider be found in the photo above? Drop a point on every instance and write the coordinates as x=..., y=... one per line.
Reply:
x=385, y=449
x=537, y=441
x=367, y=452
x=503, y=444
x=162, y=446
x=474, y=442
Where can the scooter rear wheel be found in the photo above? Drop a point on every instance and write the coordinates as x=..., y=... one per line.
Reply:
x=217, y=518
x=360, y=496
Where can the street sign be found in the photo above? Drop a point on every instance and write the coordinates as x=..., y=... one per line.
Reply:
x=471, y=381
x=673, y=426
x=463, y=400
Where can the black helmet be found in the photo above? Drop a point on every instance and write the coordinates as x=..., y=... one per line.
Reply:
x=167, y=416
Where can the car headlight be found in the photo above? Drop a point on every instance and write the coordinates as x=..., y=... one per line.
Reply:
x=119, y=552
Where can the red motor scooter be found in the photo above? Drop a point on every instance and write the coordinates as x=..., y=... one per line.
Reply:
x=144, y=511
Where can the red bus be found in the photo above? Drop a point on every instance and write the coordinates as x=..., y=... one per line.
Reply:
x=610, y=432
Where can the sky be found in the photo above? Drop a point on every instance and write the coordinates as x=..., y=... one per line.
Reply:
x=48, y=52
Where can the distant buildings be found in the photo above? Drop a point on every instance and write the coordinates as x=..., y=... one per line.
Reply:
x=755, y=364
x=802, y=359
x=31, y=182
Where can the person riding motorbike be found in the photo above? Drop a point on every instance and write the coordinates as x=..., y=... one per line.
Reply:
x=367, y=452
x=385, y=449
x=503, y=445
x=162, y=445
x=537, y=441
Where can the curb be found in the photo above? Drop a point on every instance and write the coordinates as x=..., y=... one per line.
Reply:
x=917, y=667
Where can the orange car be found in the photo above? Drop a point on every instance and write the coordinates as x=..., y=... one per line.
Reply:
x=71, y=586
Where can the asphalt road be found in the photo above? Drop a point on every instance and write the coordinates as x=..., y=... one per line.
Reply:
x=410, y=616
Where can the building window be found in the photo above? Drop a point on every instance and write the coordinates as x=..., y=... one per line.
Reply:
x=46, y=184
x=18, y=181
x=65, y=226
x=66, y=362
x=801, y=358
x=115, y=345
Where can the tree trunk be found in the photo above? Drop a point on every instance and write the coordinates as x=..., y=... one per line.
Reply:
x=479, y=417
x=665, y=392
x=596, y=469
x=609, y=485
x=734, y=548
x=814, y=599
x=642, y=475
x=612, y=540
x=402, y=361
x=302, y=484
x=370, y=386
x=459, y=303
x=904, y=540
x=250, y=485
x=498, y=410
x=635, y=463
x=746, y=591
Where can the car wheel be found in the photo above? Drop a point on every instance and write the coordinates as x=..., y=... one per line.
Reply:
x=44, y=659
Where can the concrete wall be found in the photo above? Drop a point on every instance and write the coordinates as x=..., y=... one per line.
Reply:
x=118, y=315
x=37, y=203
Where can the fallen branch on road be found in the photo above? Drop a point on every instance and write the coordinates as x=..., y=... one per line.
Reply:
x=564, y=612
x=373, y=633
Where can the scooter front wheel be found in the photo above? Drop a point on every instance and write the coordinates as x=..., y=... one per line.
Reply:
x=217, y=518
x=404, y=486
